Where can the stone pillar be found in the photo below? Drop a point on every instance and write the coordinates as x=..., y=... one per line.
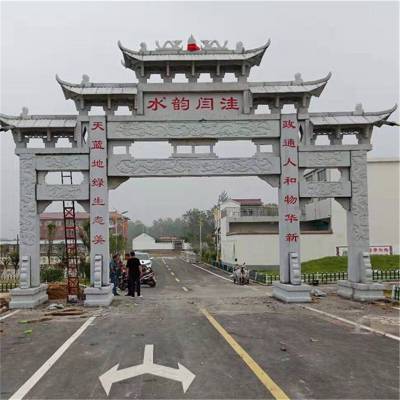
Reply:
x=100, y=292
x=359, y=285
x=289, y=288
x=30, y=293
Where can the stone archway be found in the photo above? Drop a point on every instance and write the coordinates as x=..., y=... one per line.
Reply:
x=195, y=114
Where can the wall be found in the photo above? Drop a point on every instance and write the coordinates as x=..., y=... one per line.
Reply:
x=146, y=242
x=384, y=212
x=262, y=250
x=384, y=220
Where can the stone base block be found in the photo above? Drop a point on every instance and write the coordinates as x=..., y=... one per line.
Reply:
x=291, y=293
x=360, y=291
x=97, y=297
x=28, y=298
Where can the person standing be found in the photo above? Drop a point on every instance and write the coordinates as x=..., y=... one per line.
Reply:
x=114, y=273
x=134, y=272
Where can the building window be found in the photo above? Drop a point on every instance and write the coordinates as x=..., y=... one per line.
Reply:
x=321, y=175
x=309, y=178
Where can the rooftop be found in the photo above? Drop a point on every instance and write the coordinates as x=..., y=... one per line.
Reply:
x=356, y=117
x=37, y=121
x=249, y=202
x=209, y=57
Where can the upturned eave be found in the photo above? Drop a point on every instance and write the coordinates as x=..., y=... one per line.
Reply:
x=294, y=87
x=89, y=89
x=352, y=118
x=38, y=122
x=181, y=61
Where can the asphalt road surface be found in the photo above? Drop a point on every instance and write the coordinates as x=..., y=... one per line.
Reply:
x=196, y=336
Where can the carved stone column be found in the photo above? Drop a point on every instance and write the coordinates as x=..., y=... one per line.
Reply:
x=30, y=293
x=289, y=289
x=100, y=292
x=359, y=285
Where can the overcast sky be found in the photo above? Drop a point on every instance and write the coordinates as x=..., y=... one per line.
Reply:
x=358, y=42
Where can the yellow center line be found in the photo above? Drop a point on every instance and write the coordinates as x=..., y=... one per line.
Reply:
x=264, y=378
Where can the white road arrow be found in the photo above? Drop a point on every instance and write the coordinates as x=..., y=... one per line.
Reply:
x=113, y=375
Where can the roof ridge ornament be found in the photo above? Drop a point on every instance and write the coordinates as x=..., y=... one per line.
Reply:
x=239, y=47
x=168, y=45
x=192, y=45
x=85, y=79
x=214, y=45
x=298, y=79
x=24, y=113
x=358, y=110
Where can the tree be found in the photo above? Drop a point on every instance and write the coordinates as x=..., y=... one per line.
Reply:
x=51, y=233
x=84, y=234
x=5, y=262
x=135, y=228
x=192, y=220
x=117, y=244
x=223, y=196
x=14, y=257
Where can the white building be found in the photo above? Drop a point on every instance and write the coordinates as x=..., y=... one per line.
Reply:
x=146, y=242
x=250, y=232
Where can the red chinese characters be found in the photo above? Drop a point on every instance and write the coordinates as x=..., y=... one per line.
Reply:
x=289, y=143
x=288, y=124
x=97, y=164
x=291, y=237
x=290, y=199
x=180, y=104
x=98, y=239
x=289, y=181
x=98, y=182
x=98, y=201
x=290, y=162
x=229, y=103
x=97, y=145
x=97, y=125
x=205, y=103
x=98, y=220
x=156, y=104
x=291, y=218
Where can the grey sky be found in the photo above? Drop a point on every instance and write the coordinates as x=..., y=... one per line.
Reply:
x=358, y=42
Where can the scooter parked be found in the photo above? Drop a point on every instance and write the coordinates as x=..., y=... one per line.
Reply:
x=147, y=278
x=241, y=275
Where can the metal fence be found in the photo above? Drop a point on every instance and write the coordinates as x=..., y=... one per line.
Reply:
x=250, y=211
x=6, y=286
x=316, y=278
x=396, y=293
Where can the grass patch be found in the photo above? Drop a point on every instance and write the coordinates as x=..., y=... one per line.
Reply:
x=339, y=264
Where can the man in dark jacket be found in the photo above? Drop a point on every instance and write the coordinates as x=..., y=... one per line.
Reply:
x=134, y=271
x=115, y=272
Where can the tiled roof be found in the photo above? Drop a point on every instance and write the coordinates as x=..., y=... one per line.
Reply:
x=351, y=118
x=249, y=202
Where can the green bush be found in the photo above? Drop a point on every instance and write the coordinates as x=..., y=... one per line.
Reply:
x=84, y=269
x=52, y=275
x=208, y=255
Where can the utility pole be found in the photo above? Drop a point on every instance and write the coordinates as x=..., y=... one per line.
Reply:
x=116, y=226
x=201, y=242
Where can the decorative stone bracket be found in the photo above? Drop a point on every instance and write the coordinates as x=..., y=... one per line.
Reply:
x=25, y=273
x=98, y=267
x=294, y=265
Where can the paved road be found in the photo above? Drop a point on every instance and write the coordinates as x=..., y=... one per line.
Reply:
x=236, y=341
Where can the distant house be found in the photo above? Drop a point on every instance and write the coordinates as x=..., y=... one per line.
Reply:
x=146, y=242
x=248, y=231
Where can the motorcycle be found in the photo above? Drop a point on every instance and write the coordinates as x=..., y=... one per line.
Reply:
x=147, y=278
x=241, y=275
